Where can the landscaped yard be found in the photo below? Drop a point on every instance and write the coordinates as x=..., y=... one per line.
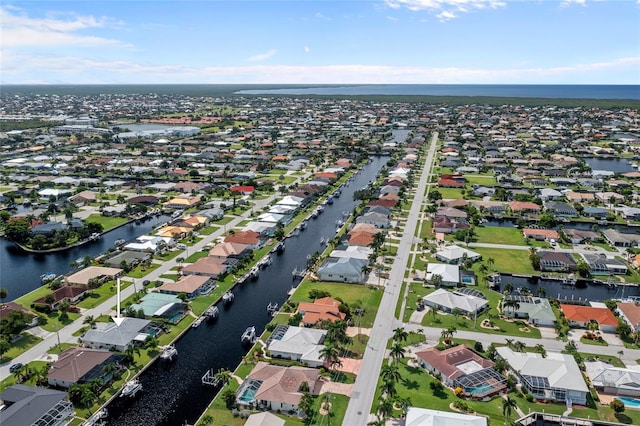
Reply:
x=102, y=293
x=26, y=342
x=514, y=261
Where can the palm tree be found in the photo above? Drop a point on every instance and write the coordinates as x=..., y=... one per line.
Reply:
x=400, y=335
x=223, y=376
x=403, y=404
x=388, y=388
x=306, y=405
x=389, y=372
x=510, y=303
x=542, y=292
x=397, y=352
x=519, y=346
x=539, y=348
x=130, y=351
x=451, y=330
x=456, y=313
x=490, y=262
x=330, y=355
x=385, y=408
x=90, y=320
x=206, y=420
x=508, y=406
x=445, y=334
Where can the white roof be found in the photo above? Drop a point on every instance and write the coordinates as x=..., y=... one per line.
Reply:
x=302, y=341
x=449, y=273
x=603, y=374
x=561, y=370
x=425, y=417
x=455, y=252
x=451, y=300
x=290, y=200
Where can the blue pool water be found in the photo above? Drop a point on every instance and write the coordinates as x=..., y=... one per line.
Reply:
x=247, y=395
x=480, y=389
x=630, y=402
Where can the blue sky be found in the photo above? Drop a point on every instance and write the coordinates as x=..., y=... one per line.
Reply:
x=330, y=42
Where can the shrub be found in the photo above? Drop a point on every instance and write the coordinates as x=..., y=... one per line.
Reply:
x=478, y=347
x=529, y=397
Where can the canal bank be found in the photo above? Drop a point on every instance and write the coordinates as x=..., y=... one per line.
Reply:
x=173, y=393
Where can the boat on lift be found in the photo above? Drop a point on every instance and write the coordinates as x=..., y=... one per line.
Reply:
x=272, y=308
x=169, y=353
x=227, y=297
x=131, y=388
x=249, y=335
x=211, y=312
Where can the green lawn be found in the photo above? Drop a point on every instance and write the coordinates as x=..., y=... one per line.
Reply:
x=349, y=293
x=195, y=256
x=106, y=222
x=484, y=180
x=140, y=270
x=499, y=235
x=168, y=255
x=102, y=293
x=26, y=342
x=450, y=193
x=208, y=230
x=514, y=261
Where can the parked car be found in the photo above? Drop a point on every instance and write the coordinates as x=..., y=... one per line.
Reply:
x=15, y=367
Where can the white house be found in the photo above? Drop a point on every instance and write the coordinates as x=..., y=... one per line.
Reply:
x=447, y=301
x=456, y=254
x=426, y=417
x=297, y=343
x=343, y=269
x=449, y=274
x=613, y=380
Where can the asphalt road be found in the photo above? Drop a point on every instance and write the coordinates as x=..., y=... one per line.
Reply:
x=366, y=382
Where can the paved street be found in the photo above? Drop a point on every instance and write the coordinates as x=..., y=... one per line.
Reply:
x=366, y=382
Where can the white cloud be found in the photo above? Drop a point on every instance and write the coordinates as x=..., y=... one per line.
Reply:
x=321, y=16
x=19, y=68
x=18, y=29
x=446, y=9
x=306, y=49
x=565, y=3
x=262, y=56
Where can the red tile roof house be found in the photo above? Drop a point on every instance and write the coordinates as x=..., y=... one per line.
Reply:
x=460, y=366
x=7, y=308
x=524, y=207
x=444, y=182
x=250, y=238
x=581, y=316
x=630, y=312
x=208, y=266
x=81, y=365
x=541, y=234
x=325, y=308
x=69, y=293
x=244, y=190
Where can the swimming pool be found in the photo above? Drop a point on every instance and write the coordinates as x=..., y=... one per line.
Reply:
x=248, y=391
x=479, y=389
x=248, y=395
x=629, y=402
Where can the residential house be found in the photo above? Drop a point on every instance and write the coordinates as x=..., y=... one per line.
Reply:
x=208, y=266
x=226, y=249
x=524, y=207
x=191, y=285
x=274, y=387
x=130, y=258
x=456, y=255
x=264, y=418
x=596, y=212
x=619, y=239
x=343, y=269
x=550, y=194
x=541, y=234
x=83, y=198
x=555, y=377
x=161, y=305
x=448, y=226
x=579, y=236
x=181, y=203
x=298, y=344
x=536, y=310
x=108, y=335
x=150, y=244
x=451, y=213
x=376, y=219
x=630, y=313
x=468, y=301
x=322, y=309
x=556, y=261
x=12, y=308
x=449, y=274
x=100, y=273
x=251, y=239
x=66, y=293
x=458, y=366
x=28, y=405
x=613, y=380
x=80, y=365
x=582, y=316
x=601, y=264
x=560, y=209
x=426, y=417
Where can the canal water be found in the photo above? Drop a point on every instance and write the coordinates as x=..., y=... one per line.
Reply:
x=20, y=271
x=583, y=290
x=174, y=393
x=616, y=165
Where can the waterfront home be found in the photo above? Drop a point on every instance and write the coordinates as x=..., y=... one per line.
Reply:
x=630, y=313
x=83, y=198
x=12, y=308
x=298, y=344
x=99, y=273
x=451, y=213
x=541, y=234
x=426, y=417
x=619, y=239
x=191, y=285
x=355, y=252
x=326, y=308
x=560, y=209
x=264, y=418
x=555, y=377
x=536, y=310
x=242, y=189
x=273, y=387
x=227, y=249
x=378, y=220
x=343, y=269
x=81, y=365
x=550, y=194
x=458, y=366
x=66, y=293
x=150, y=244
x=109, y=336
x=580, y=197
x=556, y=261
x=161, y=305
x=208, y=266
x=130, y=258
x=520, y=207
x=449, y=274
x=629, y=213
x=613, y=380
x=180, y=203
x=579, y=236
x=582, y=316
x=251, y=239
x=468, y=301
x=601, y=264
x=446, y=225
x=595, y=212
x=29, y=405
x=456, y=255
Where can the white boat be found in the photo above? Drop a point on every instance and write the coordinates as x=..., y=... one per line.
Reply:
x=211, y=312
x=320, y=208
x=94, y=236
x=197, y=322
x=119, y=242
x=227, y=297
x=131, y=388
x=272, y=308
x=303, y=225
x=249, y=335
x=169, y=353
x=48, y=276
x=255, y=271
x=322, y=241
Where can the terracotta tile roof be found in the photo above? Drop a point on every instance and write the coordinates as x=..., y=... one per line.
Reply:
x=631, y=311
x=602, y=316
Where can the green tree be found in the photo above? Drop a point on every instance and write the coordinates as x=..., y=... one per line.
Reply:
x=400, y=335
x=389, y=372
x=397, y=352
x=385, y=408
x=617, y=406
x=436, y=387
x=508, y=406
x=229, y=398
x=17, y=230
x=306, y=406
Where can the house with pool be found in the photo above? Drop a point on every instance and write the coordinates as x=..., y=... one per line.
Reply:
x=273, y=387
x=459, y=366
